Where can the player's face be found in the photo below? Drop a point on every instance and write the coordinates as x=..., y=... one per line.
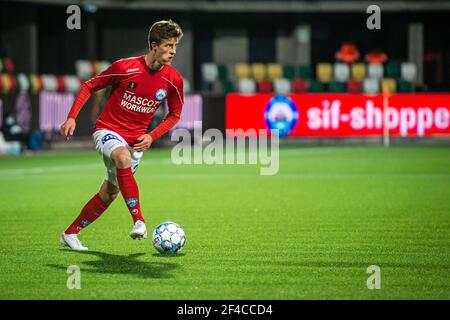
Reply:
x=166, y=50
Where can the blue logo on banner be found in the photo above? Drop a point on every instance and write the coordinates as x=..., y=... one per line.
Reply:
x=108, y=137
x=161, y=94
x=281, y=114
x=131, y=202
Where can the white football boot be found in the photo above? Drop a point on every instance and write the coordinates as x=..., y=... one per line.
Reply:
x=139, y=231
x=72, y=241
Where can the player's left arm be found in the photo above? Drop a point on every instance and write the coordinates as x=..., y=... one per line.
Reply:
x=175, y=101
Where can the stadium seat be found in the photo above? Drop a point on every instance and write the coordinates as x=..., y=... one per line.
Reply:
x=223, y=72
x=348, y=53
x=84, y=69
x=36, y=83
x=358, y=71
x=324, y=72
x=289, y=71
x=305, y=72
x=405, y=86
x=23, y=83
x=371, y=86
x=408, y=72
x=259, y=71
x=299, y=86
x=282, y=86
x=376, y=56
x=264, y=86
x=246, y=85
x=8, y=65
x=341, y=72
x=337, y=86
x=375, y=71
x=210, y=72
x=392, y=70
x=316, y=86
x=100, y=66
x=3, y=86
x=186, y=85
x=61, y=84
x=9, y=147
x=73, y=83
x=390, y=83
x=274, y=71
x=228, y=86
x=242, y=70
x=354, y=86
x=49, y=82
x=8, y=83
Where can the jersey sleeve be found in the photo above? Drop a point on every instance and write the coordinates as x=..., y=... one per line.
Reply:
x=175, y=101
x=110, y=76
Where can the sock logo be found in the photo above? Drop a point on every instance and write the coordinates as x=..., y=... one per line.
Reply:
x=85, y=223
x=108, y=137
x=131, y=202
x=134, y=212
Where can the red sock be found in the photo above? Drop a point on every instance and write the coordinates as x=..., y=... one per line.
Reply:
x=91, y=211
x=130, y=192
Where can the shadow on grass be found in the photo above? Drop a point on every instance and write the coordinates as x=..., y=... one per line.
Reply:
x=167, y=255
x=122, y=265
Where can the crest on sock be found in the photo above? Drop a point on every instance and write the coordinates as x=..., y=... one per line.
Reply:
x=132, y=202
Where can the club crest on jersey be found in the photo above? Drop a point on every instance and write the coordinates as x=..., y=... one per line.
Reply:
x=161, y=94
x=131, y=86
x=131, y=202
x=108, y=137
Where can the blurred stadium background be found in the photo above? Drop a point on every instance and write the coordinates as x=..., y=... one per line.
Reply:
x=264, y=47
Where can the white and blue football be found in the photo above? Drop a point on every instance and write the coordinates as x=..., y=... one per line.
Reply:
x=168, y=237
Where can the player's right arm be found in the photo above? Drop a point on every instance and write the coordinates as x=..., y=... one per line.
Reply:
x=67, y=128
x=108, y=77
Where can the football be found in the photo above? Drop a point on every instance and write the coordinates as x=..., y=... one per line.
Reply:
x=168, y=237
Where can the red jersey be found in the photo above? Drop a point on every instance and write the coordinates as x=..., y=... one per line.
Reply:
x=136, y=94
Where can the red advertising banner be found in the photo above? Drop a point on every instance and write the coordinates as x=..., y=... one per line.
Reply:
x=340, y=115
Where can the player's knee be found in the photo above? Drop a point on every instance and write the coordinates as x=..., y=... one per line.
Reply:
x=112, y=197
x=108, y=197
x=122, y=160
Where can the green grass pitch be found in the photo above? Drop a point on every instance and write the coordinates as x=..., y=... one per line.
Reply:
x=309, y=232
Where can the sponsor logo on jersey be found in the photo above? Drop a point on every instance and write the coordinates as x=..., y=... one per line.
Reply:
x=281, y=114
x=108, y=137
x=131, y=202
x=133, y=69
x=139, y=104
x=131, y=86
x=161, y=94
